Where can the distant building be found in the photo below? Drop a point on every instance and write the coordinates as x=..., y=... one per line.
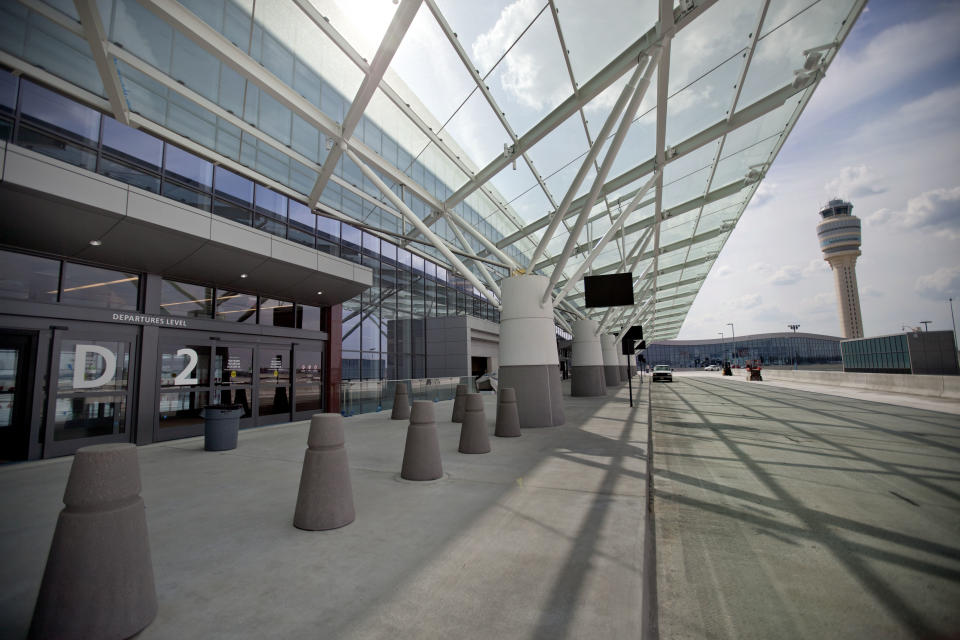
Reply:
x=918, y=352
x=770, y=348
x=839, y=233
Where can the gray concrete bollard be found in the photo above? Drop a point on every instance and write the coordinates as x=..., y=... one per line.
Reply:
x=98, y=582
x=421, y=453
x=459, y=403
x=473, y=434
x=325, y=500
x=401, y=403
x=508, y=417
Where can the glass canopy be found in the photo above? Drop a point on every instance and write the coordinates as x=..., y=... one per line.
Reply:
x=472, y=125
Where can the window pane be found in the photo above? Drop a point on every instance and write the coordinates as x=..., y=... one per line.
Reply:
x=188, y=300
x=56, y=148
x=9, y=85
x=276, y=313
x=185, y=366
x=182, y=408
x=236, y=307
x=274, y=365
x=186, y=196
x=24, y=277
x=328, y=228
x=62, y=115
x=188, y=167
x=350, y=235
x=232, y=212
x=95, y=287
x=234, y=366
x=130, y=175
x=233, y=186
x=271, y=203
x=270, y=225
x=309, y=317
x=131, y=144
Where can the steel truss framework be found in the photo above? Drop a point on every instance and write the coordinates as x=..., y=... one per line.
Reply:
x=665, y=217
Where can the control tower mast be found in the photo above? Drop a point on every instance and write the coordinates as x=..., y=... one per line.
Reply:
x=839, y=234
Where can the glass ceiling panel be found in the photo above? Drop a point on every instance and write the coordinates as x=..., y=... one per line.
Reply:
x=425, y=40
x=638, y=146
x=582, y=21
x=362, y=22
x=703, y=103
x=532, y=78
x=288, y=36
x=402, y=140
x=690, y=163
x=735, y=167
x=684, y=189
x=678, y=228
x=779, y=51
x=721, y=32
x=566, y=143
x=477, y=130
x=446, y=176
x=514, y=183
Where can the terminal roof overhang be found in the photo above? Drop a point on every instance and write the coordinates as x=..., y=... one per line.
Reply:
x=719, y=86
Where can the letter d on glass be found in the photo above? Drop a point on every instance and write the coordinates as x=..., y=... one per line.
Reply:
x=80, y=366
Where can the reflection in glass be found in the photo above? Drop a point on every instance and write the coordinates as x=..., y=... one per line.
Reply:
x=186, y=300
x=187, y=196
x=130, y=175
x=188, y=168
x=182, y=408
x=9, y=86
x=58, y=113
x=274, y=365
x=88, y=416
x=32, y=139
x=236, y=307
x=277, y=313
x=274, y=400
x=103, y=365
x=232, y=211
x=232, y=186
x=234, y=366
x=95, y=287
x=131, y=144
x=309, y=317
x=183, y=369
x=24, y=277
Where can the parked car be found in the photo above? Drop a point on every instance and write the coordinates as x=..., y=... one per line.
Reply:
x=663, y=372
x=712, y=367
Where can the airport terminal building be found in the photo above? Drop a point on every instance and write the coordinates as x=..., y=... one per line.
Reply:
x=778, y=349
x=218, y=201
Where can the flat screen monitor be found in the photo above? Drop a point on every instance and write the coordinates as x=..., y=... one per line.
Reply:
x=614, y=290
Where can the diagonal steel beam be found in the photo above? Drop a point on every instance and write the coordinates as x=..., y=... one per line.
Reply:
x=401, y=21
x=557, y=217
x=466, y=246
x=97, y=39
x=588, y=91
x=421, y=227
x=612, y=150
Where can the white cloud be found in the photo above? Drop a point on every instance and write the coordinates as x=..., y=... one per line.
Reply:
x=889, y=60
x=819, y=304
x=724, y=271
x=785, y=275
x=871, y=292
x=940, y=284
x=854, y=182
x=748, y=301
x=937, y=210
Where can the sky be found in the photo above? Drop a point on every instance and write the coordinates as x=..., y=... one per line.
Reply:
x=881, y=131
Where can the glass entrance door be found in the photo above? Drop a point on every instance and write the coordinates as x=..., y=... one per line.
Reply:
x=91, y=395
x=16, y=356
x=273, y=366
x=308, y=382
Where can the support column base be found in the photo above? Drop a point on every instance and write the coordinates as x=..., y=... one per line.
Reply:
x=539, y=398
x=588, y=381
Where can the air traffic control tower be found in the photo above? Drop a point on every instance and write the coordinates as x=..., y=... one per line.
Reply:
x=839, y=233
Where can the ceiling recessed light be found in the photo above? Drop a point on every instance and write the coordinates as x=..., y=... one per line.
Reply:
x=243, y=275
x=95, y=243
x=319, y=293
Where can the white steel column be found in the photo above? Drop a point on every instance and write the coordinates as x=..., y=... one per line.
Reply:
x=611, y=361
x=529, y=363
x=587, y=374
x=466, y=247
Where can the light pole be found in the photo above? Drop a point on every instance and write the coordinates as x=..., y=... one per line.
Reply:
x=722, y=352
x=733, y=352
x=954, y=321
x=925, y=323
x=794, y=327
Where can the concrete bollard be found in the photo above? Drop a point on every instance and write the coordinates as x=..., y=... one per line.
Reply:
x=325, y=500
x=421, y=453
x=508, y=417
x=473, y=434
x=458, y=403
x=98, y=582
x=401, y=403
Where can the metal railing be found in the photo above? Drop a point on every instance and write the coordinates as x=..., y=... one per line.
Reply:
x=367, y=396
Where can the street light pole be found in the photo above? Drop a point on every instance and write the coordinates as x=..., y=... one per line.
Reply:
x=794, y=327
x=722, y=349
x=734, y=351
x=925, y=323
x=952, y=319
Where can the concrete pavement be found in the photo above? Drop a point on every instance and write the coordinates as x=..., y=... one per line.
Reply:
x=541, y=538
x=785, y=514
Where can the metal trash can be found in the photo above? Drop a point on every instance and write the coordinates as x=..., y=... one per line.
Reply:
x=221, y=422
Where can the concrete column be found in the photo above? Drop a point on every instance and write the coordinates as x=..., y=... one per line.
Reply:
x=528, y=351
x=587, y=370
x=612, y=368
